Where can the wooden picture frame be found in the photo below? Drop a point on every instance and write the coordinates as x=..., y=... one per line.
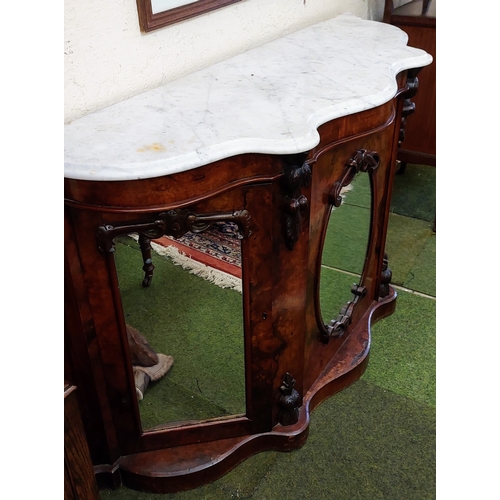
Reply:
x=150, y=20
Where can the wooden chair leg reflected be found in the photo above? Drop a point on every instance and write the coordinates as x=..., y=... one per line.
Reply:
x=148, y=267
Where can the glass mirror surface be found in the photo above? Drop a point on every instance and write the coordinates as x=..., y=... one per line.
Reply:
x=345, y=247
x=188, y=317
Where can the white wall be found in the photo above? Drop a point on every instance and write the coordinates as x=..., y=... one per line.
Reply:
x=108, y=59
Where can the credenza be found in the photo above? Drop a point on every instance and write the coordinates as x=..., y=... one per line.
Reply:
x=268, y=141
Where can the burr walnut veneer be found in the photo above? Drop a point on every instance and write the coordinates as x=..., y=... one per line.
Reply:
x=266, y=140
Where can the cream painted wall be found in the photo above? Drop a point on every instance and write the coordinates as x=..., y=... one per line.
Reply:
x=108, y=59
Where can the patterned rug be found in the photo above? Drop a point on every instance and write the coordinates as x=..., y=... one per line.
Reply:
x=213, y=254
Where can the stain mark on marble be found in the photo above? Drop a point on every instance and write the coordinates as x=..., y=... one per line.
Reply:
x=156, y=146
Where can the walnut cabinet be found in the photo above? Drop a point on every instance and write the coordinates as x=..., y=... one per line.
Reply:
x=280, y=201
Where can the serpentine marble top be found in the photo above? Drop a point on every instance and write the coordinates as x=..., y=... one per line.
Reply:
x=270, y=99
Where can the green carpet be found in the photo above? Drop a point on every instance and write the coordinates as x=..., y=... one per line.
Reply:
x=410, y=246
x=201, y=326
x=374, y=440
x=347, y=235
x=414, y=193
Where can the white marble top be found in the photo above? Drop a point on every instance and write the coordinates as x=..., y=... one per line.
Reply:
x=267, y=100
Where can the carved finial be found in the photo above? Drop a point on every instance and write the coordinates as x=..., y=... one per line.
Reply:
x=296, y=174
x=290, y=401
x=386, y=277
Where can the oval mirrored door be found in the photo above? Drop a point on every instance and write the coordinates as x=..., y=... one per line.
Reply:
x=345, y=248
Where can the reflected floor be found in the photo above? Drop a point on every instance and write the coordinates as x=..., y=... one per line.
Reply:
x=335, y=292
x=200, y=325
x=345, y=247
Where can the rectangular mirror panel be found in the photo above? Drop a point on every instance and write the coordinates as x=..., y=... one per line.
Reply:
x=194, y=327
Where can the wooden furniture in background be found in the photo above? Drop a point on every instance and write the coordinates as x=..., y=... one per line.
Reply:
x=418, y=19
x=79, y=478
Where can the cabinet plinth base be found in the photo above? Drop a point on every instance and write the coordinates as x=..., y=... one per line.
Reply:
x=186, y=467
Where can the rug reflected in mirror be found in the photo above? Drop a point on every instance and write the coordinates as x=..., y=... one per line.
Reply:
x=218, y=248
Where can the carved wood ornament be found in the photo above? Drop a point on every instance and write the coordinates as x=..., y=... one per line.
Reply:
x=174, y=223
x=386, y=277
x=337, y=326
x=408, y=105
x=297, y=174
x=290, y=402
x=361, y=161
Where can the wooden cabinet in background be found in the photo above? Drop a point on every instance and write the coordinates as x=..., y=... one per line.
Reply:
x=418, y=19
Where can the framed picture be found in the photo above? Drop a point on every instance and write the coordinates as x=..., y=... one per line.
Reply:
x=154, y=14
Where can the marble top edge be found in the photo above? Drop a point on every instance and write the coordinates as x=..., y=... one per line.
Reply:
x=332, y=69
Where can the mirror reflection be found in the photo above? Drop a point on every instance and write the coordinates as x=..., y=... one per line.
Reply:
x=185, y=331
x=345, y=247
